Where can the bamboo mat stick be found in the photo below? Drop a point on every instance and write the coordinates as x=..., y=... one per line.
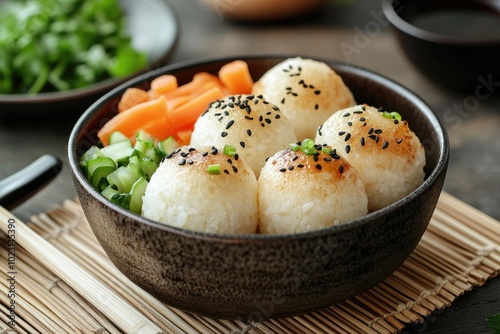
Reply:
x=123, y=314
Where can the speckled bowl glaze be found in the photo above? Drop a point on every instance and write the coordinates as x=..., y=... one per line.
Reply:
x=256, y=277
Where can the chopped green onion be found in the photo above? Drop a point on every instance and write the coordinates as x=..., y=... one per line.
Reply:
x=326, y=149
x=229, y=150
x=308, y=147
x=294, y=147
x=392, y=115
x=213, y=169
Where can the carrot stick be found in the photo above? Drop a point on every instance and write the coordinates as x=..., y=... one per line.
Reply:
x=164, y=84
x=187, y=113
x=192, y=87
x=236, y=77
x=177, y=101
x=133, y=119
x=160, y=128
x=184, y=136
x=131, y=97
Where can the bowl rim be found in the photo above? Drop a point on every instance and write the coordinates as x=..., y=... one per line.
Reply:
x=441, y=164
x=388, y=7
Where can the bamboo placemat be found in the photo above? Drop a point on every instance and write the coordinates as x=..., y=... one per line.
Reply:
x=459, y=251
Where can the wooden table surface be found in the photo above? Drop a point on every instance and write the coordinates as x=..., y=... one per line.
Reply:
x=474, y=170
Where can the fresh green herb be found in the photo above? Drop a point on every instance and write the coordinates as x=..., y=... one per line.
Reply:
x=56, y=45
x=213, y=169
x=294, y=147
x=392, y=115
x=494, y=323
x=307, y=146
x=326, y=150
x=229, y=150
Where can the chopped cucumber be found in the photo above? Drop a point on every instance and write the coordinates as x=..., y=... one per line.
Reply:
x=120, y=152
x=109, y=192
x=124, y=177
x=97, y=171
x=92, y=153
x=136, y=193
x=143, y=135
x=168, y=145
x=121, y=171
x=116, y=137
x=122, y=200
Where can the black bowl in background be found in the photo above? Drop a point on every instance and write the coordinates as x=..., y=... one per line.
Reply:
x=459, y=57
x=253, y=277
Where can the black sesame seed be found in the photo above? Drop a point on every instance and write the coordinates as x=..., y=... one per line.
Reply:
x=385, y=145
x=242, y=144
x=341, y=133
x=182, y=162
x=204, y=154
x=319, y=129
x=249, y=118
x=327, y=159
x=217, y=114
x=231, y=105
x=347, y=137
x=349, y=123
x=248, y=109
x=347, y=149
x=229, y=124
x=283, y=101
x=230, y=161
x=184, y=154
x=378, y=131
x=261, y=118
x=226, y=171
x=283, y=170
x=214, y=150
x=290, y=167
x=399, y=141
x=220, y=118
x=315, y=157
x=396, y=121
x=267, y=120
x=235, y=169
x=170, y=156
x=262, y=125
x=277, y=116
x=300, y=166
x=370, y=131
x=249, y=133
x=223, y=134
x=362, y=141
x=362, y=119
x=236, y=156
x=317, y=92
x=341, y=169
x=374, y=137
x=357, y=112
x=226, y=112
x=318, y=166
x=295, y=158
x=190, y=162
x=316, y=106
x=346, y=114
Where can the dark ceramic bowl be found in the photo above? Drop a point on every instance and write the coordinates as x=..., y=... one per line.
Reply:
x=263, y=276
x=455, y=43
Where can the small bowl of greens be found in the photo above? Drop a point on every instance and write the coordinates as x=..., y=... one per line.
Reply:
x=63, y=55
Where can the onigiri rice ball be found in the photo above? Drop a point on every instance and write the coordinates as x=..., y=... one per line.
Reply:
x=388, y=156
x=203, y=189
x=254, y=126
x=303, y=190
x=307, y=92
